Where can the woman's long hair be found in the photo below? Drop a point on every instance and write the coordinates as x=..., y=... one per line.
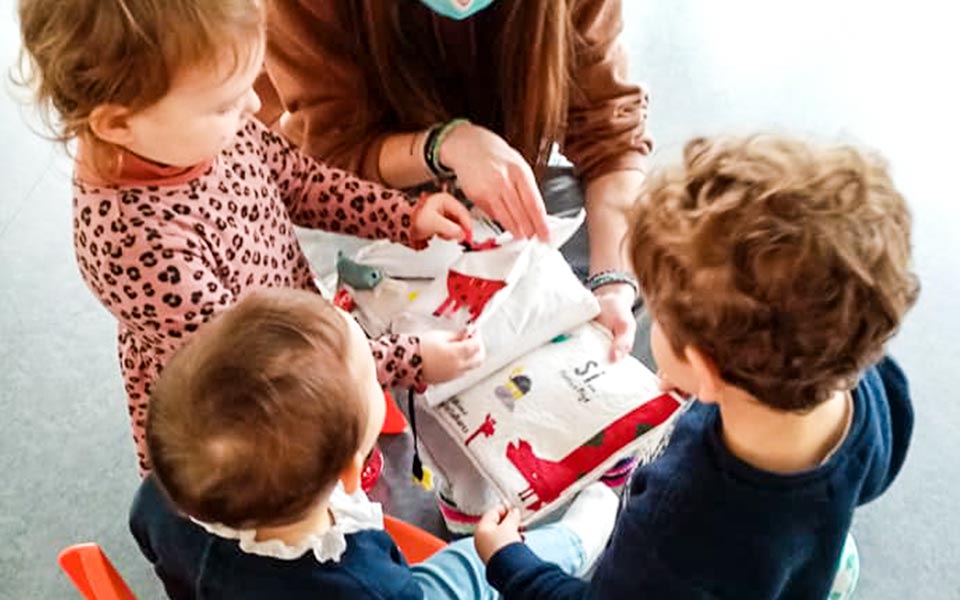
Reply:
x=533, y=51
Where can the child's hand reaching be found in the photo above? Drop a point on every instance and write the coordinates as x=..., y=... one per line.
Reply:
x=449, y=354
x=441, y=215
x=497, y=528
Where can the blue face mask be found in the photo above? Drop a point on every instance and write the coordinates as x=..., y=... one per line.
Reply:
x=452, y=9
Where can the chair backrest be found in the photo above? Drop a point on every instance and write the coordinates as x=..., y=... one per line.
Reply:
x=416, y=544
x=96, y=578
x=93, y=574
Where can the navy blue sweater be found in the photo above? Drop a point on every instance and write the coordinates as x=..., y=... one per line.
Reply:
x=700, y=523
x=193, y=563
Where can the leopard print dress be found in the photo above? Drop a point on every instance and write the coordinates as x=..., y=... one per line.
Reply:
x=165, y=250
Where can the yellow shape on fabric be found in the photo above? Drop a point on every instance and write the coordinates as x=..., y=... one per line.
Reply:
x=427, y=481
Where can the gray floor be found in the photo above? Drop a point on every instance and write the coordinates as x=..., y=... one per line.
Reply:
x=852, y=70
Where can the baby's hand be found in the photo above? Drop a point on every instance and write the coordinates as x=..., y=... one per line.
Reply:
x=449, y=354
x=496, y=529
x=441, y=215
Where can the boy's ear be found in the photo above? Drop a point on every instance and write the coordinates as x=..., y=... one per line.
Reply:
x=350, y=476
x=111, y=123
x=708, y=375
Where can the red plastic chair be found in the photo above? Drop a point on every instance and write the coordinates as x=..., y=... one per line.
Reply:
x=416, y=544
x=394, y=422
x=96, y=578
x=93, y=574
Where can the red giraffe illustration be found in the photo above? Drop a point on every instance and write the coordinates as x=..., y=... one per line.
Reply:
x=548, y=479
x=468, y=291
x=487, y=428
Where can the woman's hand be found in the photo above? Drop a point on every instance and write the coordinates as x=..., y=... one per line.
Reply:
x=449, y=354
x=441, y=215
x=496, y=529
x=616, y=314
x=496, y=178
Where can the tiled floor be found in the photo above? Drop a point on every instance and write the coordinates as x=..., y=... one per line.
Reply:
x=878, y=73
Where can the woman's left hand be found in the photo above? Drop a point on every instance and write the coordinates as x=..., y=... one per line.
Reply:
x=616, y=314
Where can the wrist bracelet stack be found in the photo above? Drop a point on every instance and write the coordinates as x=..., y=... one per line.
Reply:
x=431, y=147
x=598, y=280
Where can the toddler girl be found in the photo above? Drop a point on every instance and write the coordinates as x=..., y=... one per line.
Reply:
x=183, y=202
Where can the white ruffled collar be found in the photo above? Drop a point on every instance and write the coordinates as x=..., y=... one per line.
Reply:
x=351, y=513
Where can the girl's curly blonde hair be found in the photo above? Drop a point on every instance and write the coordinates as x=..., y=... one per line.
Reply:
x=81, y=54
x=787, y=264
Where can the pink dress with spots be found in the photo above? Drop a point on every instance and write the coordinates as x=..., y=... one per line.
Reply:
x=165, y=250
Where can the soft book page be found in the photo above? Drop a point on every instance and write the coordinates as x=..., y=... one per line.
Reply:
x=555, y=420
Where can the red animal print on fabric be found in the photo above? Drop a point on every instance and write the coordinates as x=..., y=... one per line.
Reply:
x=487, y=428
x=487, y=244
x=467, y=291
x=548, y=479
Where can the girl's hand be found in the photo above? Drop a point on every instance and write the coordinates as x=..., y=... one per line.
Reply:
x=496, y=529
x=496, y=178
x=441, y=215
x=449, y=354
x=616, y=314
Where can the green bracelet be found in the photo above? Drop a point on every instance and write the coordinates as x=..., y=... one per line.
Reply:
x=598, y=280
x=436, y=140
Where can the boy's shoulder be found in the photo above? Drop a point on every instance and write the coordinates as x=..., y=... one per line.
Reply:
x=697, y=458
x=371, y=565
x=702, y=519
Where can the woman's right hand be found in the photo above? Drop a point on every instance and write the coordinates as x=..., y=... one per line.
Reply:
x=496, y=178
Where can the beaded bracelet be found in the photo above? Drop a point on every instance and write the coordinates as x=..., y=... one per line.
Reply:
x=431, y=148
x=427, y=145
x=598, y=280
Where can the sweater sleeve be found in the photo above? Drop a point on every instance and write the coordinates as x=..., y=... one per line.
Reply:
x=317, y=196
x=310, y=60
x=606, y=121
x=398, y=360
x=517, y=573
x=157, y=282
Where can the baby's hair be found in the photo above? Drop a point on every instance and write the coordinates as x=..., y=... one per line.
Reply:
x=787, y=264
x=255, y=418
x=81, y=54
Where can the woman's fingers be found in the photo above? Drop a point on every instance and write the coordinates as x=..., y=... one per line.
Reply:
x=511, y=203
x=500, y=213
x=623, y=332
x=531, y=202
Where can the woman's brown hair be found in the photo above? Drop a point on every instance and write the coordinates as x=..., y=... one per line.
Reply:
x=533, y=50
x=81, y=54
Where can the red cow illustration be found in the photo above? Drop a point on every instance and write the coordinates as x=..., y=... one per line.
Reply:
x=468, y=291
x=548, y=479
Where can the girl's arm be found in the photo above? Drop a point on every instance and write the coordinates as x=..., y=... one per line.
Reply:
x=157, y=282
x=321, y=197
x=399, y=361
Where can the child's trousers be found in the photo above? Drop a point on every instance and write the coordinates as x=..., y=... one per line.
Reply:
x=457, y=573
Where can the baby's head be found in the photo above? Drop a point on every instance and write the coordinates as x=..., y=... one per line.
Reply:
x=773, y=266
x=169, y=80
x=255, y=420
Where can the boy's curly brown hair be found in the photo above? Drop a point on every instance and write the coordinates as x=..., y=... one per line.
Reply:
x=81, y=54
x=787, y=264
